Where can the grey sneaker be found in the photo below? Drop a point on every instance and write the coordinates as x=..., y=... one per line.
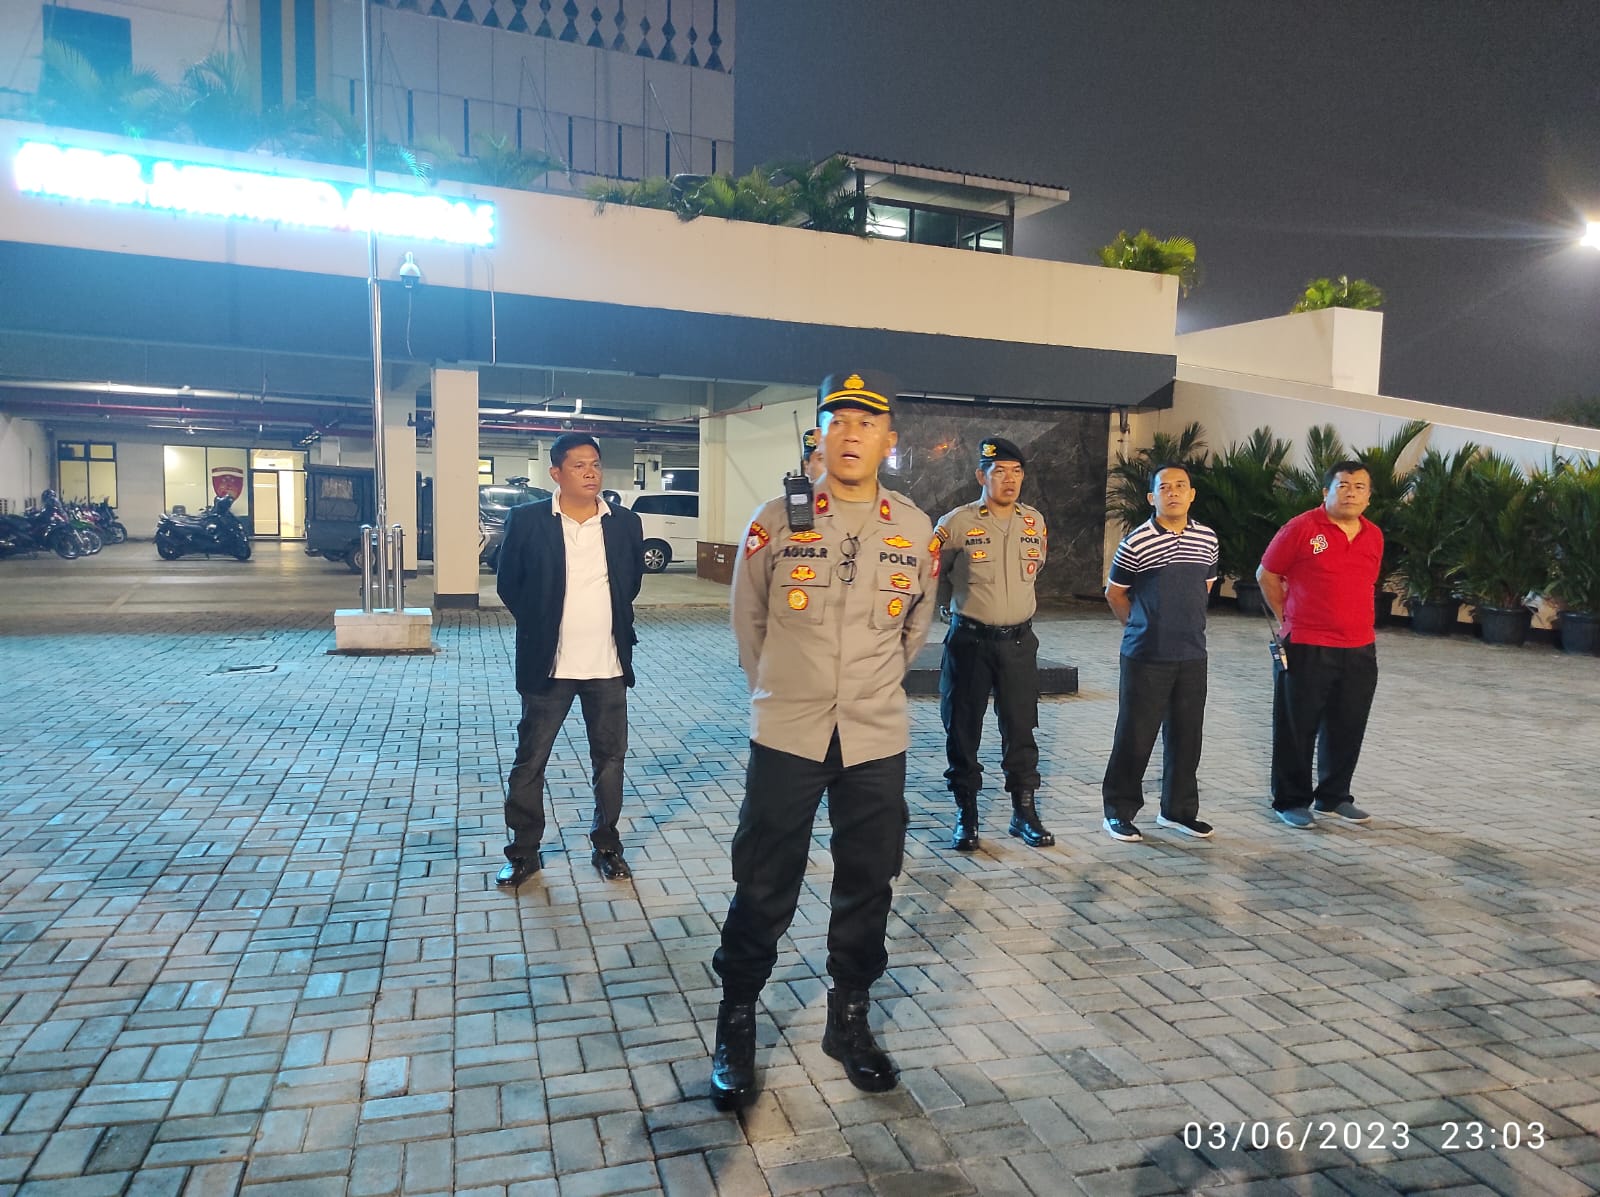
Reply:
x=1297, y=816
x=1346, y=810
x=1198, y=828
x=1121, y=829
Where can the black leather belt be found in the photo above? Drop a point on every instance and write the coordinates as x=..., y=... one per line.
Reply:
x=989, y=631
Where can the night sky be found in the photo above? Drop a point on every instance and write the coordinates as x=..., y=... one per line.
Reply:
x=1447, y=151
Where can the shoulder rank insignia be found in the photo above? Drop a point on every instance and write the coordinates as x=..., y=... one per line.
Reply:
x=884, y=513
x=940, y=535
x=897, y=542
x=755, y=540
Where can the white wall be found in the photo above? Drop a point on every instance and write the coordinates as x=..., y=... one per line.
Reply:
x=26, y=465
x=744, y=456
x=1336, y=347
x=560, y=247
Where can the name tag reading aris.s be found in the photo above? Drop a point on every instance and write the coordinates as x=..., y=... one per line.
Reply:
x=797, y=502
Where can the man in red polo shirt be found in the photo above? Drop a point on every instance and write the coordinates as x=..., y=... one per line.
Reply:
x=1318, y=576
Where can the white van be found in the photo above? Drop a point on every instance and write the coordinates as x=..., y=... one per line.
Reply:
x=671, y=520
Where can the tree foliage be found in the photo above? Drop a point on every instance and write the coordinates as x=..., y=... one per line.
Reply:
x=1128, y=484
x=1153, y=255
x=130, y=102
x=1341, y=292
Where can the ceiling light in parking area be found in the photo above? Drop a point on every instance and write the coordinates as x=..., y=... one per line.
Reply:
x=1591, y=237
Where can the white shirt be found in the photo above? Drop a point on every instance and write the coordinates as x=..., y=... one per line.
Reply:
x=585, y=647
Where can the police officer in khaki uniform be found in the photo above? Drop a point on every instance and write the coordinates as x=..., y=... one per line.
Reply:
x=991, y=555
x=811, y=461
x=828, y=619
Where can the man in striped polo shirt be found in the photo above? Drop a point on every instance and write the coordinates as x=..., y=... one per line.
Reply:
x=1161, y=578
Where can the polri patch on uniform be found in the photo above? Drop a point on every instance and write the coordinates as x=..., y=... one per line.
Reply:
x=755, y=540
x=896, y=605
x=1033, y=567
x=977, y=532
x=799, y=600
x=900, y=581
x=980, y=554
x=802, y=573
x=897, y=542
x=806, y=537
x=1033, y=553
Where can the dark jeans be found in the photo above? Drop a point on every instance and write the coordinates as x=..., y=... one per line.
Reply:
x=1157, y=696
x=1323, y=702
x=605, y=720
x=974, y=668
x=868, y=814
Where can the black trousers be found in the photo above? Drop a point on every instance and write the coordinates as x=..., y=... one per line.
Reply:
x=973, y=668
x=1157, y=696
x=1323, y=702
x=605, y=720
x=868, y=814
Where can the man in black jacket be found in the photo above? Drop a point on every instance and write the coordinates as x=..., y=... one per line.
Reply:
x=569, y=571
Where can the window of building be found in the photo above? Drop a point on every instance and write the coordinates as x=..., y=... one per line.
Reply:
x=485, y=471
x=86, y=471
x=105, y=41
x=194, y=475
x=923, y=225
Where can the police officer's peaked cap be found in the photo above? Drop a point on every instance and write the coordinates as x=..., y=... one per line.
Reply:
x=997, y=448
x=809, y=442
x=870, y=390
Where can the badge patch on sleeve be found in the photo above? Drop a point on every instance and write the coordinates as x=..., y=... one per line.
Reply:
x=933, y=552
x=755, y=540
x=798, y=599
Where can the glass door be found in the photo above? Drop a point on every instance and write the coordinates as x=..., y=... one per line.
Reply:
x=292, y=504
x=264, y=501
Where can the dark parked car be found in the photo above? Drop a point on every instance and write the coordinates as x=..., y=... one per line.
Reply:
x=494, y=504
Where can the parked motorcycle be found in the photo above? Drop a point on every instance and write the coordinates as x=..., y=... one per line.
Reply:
x=46, y=528
x=104, y=517
x=88, y=531
x=214, y=530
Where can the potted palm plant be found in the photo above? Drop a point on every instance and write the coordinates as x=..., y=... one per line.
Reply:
x=1341, y=292
x=1388, y=489
x=1154, y=255
x=1239, y=496
x=1575, y=559
x=1419, y=532
x=1500, y=552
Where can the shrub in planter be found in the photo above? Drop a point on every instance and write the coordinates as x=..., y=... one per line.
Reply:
x=1574, y=508
x=1500, y=551
x=1419, y=533
x=1128, y=482
x=1389, y=483
x=1239, y=495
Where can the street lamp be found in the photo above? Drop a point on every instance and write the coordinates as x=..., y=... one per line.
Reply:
x=1591, y=238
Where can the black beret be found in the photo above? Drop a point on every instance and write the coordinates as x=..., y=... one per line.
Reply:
x=997, y=448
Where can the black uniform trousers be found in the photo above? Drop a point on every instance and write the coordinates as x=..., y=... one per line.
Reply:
x=605, y=720
x=1322, y=701
x=867, y=811
x=974, y=667
x=1168, y=697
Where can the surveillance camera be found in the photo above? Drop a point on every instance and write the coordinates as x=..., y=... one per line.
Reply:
x=410, y=272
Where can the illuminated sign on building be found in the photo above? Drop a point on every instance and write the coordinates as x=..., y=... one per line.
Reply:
x=196, y=189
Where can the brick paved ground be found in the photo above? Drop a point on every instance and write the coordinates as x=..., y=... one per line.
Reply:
x=249, y=940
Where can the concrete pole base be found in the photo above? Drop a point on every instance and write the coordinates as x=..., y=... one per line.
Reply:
x=407, y=631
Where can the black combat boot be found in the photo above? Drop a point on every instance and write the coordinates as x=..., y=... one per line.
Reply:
x=733, y=1063
x=1025, y=823
x=965, y=837
x=849, y=1040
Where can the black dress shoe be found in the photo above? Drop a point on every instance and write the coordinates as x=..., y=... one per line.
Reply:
x=514, y=872
x=733, y=1062
x=611, y=865
x=848, y=1039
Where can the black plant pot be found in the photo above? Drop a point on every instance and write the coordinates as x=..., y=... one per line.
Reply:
x=1249, y=597
x=1504, y=625
x=1580, y=632
x=1383, y=608
x=1433, y=617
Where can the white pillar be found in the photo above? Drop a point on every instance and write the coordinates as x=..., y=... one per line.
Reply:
x=400, y=468
x=455, y=488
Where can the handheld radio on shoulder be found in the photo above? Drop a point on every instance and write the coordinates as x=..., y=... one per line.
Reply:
x=797, y=495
